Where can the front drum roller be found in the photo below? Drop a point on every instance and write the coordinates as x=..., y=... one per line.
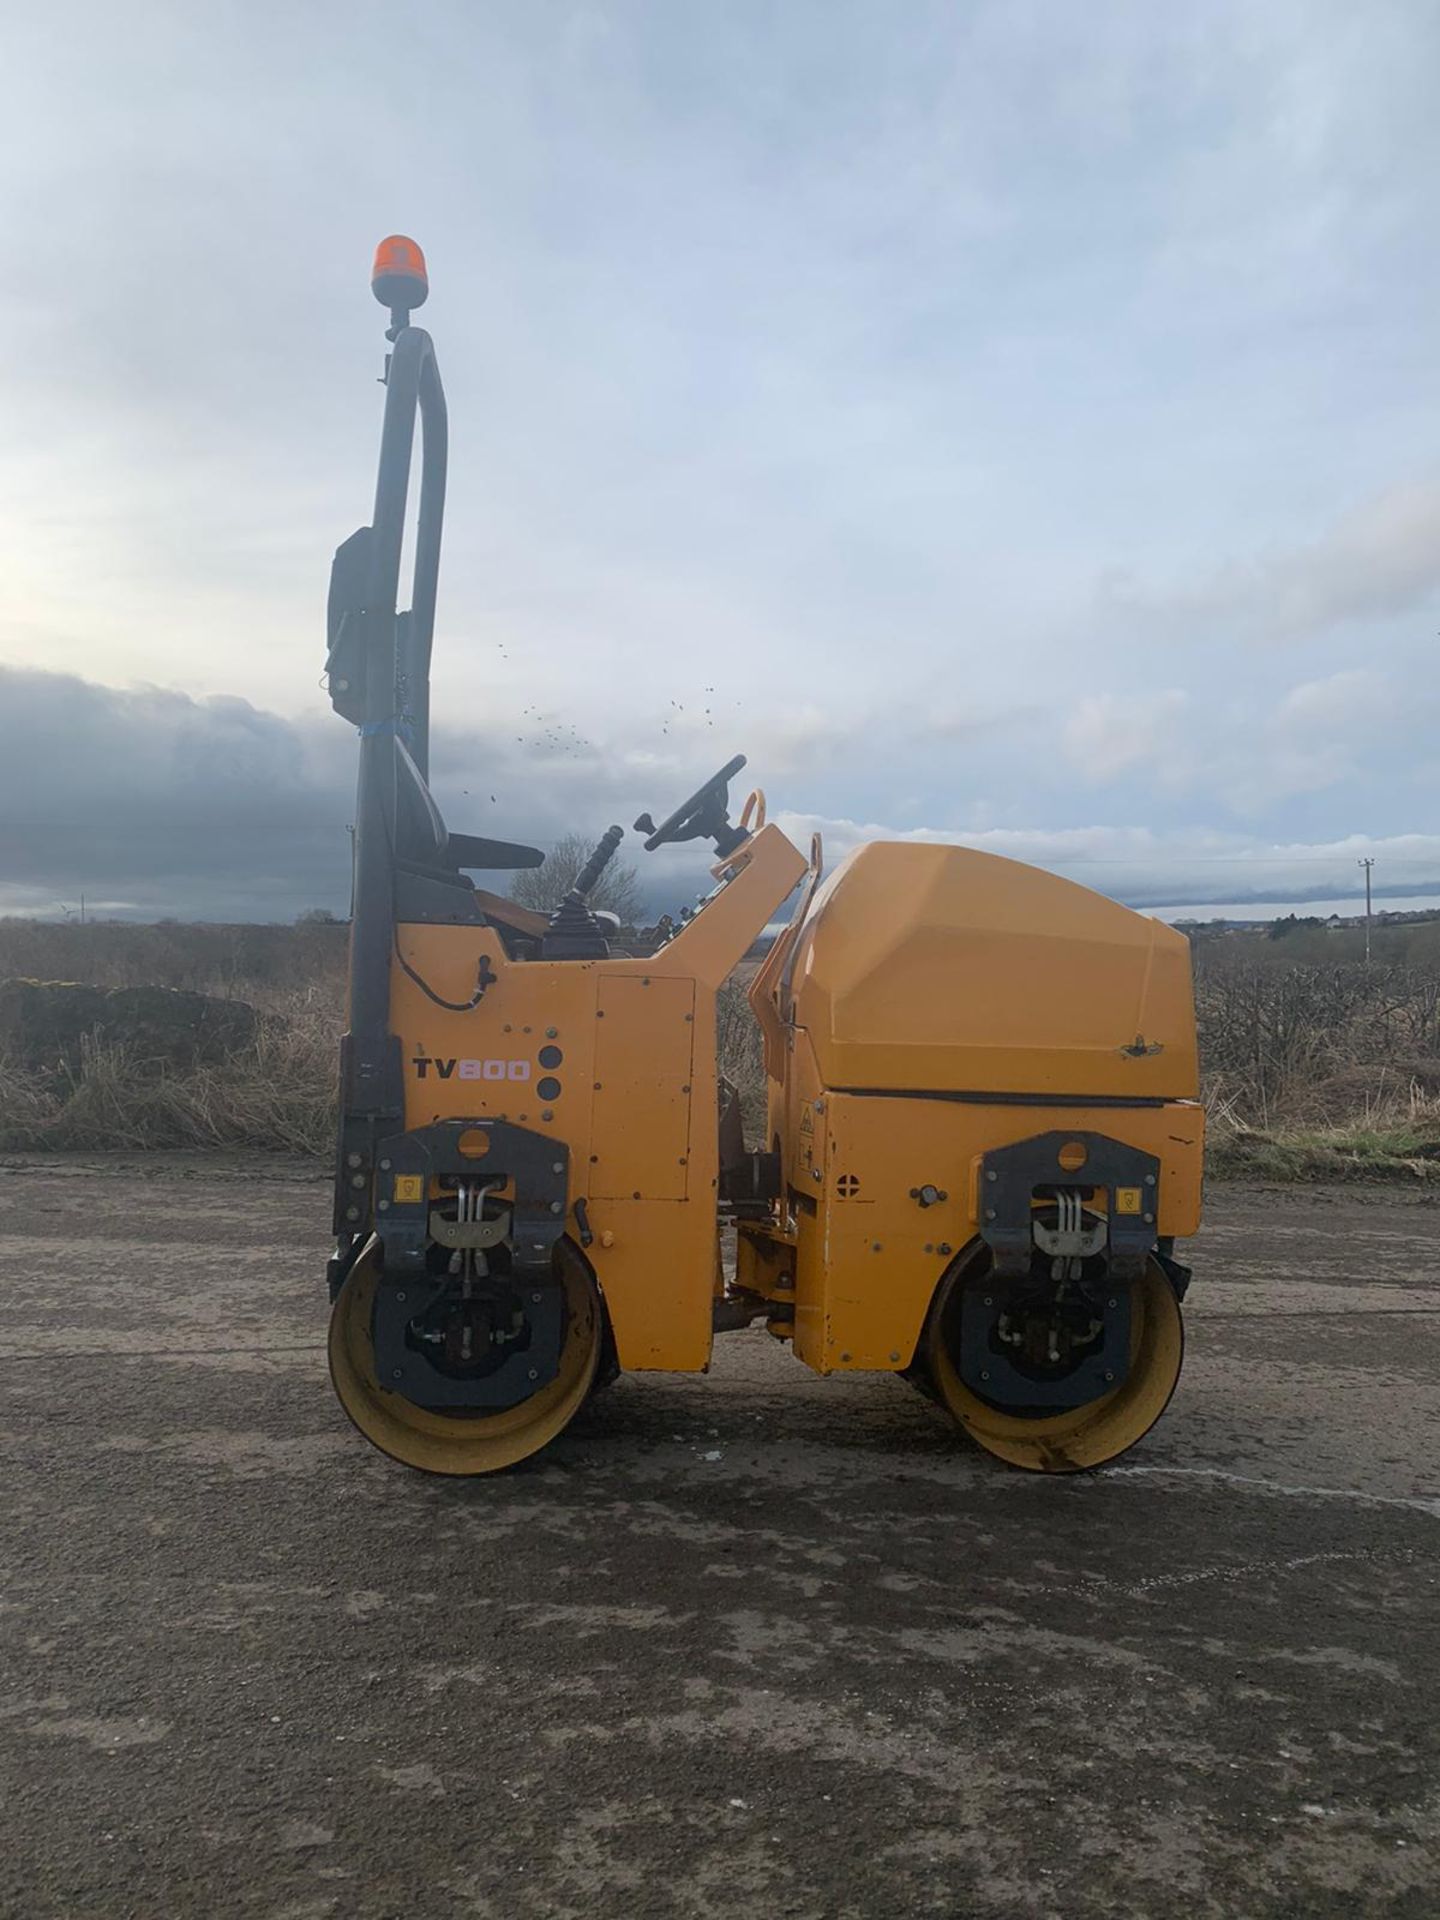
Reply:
x=461, y=1444
x=1072, y=1440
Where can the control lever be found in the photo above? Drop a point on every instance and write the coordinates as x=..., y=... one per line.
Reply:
x=598, y=861
x=574, y=933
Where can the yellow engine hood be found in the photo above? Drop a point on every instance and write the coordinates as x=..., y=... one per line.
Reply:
x=939, y=969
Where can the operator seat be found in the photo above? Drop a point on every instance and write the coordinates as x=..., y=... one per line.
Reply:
x=424, y=843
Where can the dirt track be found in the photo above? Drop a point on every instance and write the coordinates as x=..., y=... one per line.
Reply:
x=847, y=1668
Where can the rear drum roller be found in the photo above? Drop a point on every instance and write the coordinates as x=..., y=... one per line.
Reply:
x=1066, y=1439
x=462, y=1443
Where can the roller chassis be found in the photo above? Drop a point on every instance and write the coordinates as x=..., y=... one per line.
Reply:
x=507, y=1240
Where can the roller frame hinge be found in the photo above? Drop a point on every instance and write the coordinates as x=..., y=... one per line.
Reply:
x=1010, y=1175
x=537, y=1166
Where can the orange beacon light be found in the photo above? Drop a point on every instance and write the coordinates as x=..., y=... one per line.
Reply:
x=398, y=278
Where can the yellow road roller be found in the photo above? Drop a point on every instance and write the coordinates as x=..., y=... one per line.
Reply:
x=982, y=1136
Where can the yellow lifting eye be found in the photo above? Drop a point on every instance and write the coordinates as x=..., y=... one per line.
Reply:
x=1072, y=1156
x=474, y=1143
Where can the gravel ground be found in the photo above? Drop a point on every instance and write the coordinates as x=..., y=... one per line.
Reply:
x=756, y=1644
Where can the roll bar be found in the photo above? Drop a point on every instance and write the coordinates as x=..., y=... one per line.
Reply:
x=383, y=684
x=412, y=383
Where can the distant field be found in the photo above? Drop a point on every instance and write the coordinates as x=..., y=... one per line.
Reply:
x=254, y=963
x=1315, y=1065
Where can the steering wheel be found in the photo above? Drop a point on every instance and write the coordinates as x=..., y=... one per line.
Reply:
x=704, y=816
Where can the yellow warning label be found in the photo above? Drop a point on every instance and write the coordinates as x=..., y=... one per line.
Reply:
x=1127, y=1199
x=409, y=1187
x=807, y=1118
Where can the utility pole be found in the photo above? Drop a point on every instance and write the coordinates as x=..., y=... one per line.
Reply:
x=1367, y=864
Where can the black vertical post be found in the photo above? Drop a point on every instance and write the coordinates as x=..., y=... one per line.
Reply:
x=373, y=1090
x=427, y=568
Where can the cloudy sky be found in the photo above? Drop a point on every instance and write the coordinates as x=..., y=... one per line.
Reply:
x=1011, y=422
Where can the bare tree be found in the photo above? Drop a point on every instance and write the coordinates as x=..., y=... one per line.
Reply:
x=543, y=888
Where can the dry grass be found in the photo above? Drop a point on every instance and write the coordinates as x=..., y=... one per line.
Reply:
x=1388, y=1135
x=259, y=964
x=1302, y=1044
x=277, y=1093
x=1319, y=1070
x=740, y=1055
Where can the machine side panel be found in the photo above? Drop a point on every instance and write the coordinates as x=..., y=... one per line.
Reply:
x=804, y=1147
x=640, y=1116
x=654, y=1133
x=658, y=1278
x=492, y=1060
x=873, y=1254
x=654, y=1256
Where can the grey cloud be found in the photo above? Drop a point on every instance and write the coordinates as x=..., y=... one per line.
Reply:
x=1377, y=562
x=156, y=803
x=159, y=802
x=1185, y=868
